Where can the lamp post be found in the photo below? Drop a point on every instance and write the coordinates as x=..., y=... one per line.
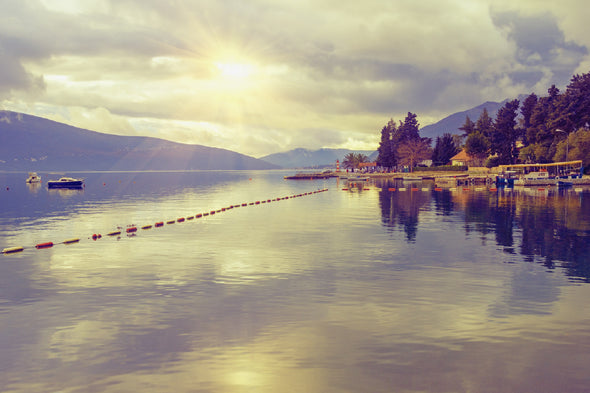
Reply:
x=567, y=142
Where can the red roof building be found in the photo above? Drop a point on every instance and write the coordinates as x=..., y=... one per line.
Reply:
x=462, y=159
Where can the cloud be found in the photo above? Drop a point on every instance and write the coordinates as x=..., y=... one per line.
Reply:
x=541, y=47
x=319, y=74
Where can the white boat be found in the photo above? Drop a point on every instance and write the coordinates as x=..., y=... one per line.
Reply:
x=66, y=182
x=33, y=178
x=536, y=179
x=541, y=175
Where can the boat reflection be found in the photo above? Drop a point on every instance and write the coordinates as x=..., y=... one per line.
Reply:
x=34, y=187
x=65, y=192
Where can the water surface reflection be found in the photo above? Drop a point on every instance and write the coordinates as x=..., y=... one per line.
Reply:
x=548, y=227
x=343, y=291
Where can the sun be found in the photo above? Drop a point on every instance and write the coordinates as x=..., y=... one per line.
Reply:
x=235, y=71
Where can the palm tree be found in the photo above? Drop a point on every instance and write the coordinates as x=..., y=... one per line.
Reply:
x=352, y=160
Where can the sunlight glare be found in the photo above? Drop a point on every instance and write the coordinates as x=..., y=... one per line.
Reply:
x=235, y=70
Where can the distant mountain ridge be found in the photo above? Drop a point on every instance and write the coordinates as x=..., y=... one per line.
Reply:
x=305, y=158
x=452, y=122
x=33, y=143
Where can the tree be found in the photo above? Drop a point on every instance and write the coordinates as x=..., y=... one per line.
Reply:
x=577, y=99
x=571, y=110
x=540, y=135
x=528, y=106
x=535, y=153
x=387, y=154
x=352, y=160
x=408, y=130
x=413, y=151
x=506, y=134
x=444, y=149
x=478, y=146
x=485, y=124
x=577, y=147
x=468, y=127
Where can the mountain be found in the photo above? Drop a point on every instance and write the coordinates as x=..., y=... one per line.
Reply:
x=301, y=158
x=452, y=122
x=32, y=143
x=304, y=158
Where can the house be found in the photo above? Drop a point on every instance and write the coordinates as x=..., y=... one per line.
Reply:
x=463, y=159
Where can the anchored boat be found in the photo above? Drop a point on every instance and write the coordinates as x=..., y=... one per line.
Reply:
x=66, y=182
x=33, y=178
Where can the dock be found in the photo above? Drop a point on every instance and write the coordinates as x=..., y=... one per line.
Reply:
x=310, y=176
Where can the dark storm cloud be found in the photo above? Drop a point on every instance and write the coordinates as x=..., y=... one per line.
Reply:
x=540, y=43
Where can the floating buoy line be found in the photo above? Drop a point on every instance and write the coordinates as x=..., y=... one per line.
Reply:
x=132, y=229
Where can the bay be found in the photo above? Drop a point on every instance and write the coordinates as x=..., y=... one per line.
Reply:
x=359, y=290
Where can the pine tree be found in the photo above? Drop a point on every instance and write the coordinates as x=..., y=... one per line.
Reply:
x=485, y=124
x=528, y=106
x=387, y=154
x=506, y=134
x=408, y=130
x=444, y=149
x=468, y=127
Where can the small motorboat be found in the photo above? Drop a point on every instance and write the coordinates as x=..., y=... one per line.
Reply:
x=66, y=182
x=33, y=178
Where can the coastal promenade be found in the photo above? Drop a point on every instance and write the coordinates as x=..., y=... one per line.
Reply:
x=476, y=176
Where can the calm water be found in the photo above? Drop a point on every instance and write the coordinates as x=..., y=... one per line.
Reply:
x=367, y=290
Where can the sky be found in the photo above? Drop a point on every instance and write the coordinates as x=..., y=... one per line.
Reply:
x=266, y=76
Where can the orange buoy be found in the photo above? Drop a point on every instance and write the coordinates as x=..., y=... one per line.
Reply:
x=131, y=229
x=391, y=189
x=199, y=215
x=438, y=189
x=414, y=189
x=181, y=219
x=159, y=224
x=205, y=214
x=493, y=189
x=244, y=204
x=96, y=236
